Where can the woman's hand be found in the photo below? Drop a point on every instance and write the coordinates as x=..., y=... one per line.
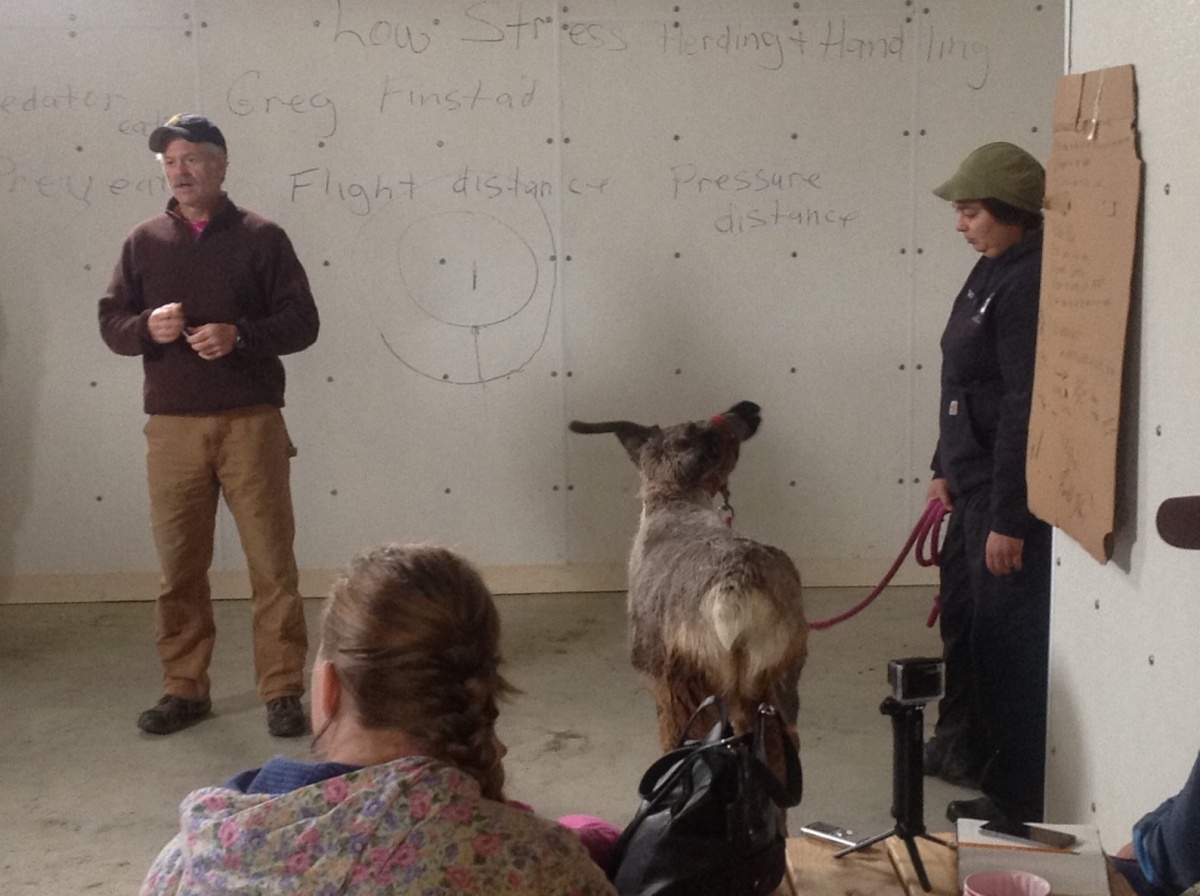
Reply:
x=1003, y=553
x=940, y=491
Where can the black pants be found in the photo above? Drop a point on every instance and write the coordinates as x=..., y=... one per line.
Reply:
x=959, y=728
x=996, y=641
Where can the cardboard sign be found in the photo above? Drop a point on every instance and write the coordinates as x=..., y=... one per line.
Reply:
x=1093, y=189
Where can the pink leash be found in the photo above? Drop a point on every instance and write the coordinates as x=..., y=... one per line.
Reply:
x=924, y=535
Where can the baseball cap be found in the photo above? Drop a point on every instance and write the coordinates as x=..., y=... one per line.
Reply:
x=188, y=126
x=1001, y=171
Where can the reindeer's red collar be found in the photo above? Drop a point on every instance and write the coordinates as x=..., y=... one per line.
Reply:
x=717, y=482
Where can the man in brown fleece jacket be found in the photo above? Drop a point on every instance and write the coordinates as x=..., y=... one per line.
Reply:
x=210, y=295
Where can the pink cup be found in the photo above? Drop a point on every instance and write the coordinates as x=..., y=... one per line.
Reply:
x=1005, y=883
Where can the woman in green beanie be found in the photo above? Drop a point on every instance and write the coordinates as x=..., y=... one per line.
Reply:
x=995, y=565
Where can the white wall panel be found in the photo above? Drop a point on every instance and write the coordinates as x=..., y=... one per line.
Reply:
x=514, y=214
x=1124, y=715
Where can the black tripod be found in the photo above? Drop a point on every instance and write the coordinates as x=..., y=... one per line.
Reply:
x=908, y=784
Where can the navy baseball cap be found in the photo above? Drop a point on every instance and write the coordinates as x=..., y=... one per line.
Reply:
x=188, y=126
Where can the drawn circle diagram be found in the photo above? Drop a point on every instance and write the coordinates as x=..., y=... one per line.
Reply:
x=481, y=282
x=460, y=276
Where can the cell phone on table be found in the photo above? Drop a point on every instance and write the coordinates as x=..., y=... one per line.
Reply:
x=822, y=830
x=1033, y=832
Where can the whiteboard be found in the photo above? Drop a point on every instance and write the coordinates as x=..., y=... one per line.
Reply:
x=514, y=214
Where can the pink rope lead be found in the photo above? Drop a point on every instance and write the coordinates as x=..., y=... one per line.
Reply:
x=924, y=534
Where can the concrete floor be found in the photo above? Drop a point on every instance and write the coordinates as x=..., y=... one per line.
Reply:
x=88, y=799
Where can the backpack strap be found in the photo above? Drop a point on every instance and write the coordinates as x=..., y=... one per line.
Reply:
x=723, y=729
x=790, y=790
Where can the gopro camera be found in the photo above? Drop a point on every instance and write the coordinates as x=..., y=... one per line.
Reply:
x=917, y=680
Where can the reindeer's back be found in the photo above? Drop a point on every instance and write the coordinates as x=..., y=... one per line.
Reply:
x=702, y=596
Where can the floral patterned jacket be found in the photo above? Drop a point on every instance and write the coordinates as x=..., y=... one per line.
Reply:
x=411, y=826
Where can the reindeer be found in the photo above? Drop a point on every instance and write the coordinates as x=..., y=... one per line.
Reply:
x=710, y=612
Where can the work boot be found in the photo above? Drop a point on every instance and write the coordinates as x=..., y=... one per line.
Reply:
x=285, y=717
x=931, y=757
x=171, y=714
x=947, y=763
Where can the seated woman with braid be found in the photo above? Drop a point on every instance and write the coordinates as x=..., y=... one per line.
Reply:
x=408, y=794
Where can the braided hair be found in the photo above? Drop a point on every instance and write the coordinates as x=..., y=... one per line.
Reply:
x=414, y=635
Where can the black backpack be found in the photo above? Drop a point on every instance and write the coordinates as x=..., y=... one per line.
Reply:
x=712, y=819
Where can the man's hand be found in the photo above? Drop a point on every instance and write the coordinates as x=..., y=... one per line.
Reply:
x=1003, y=553
x=166, y=323
x=212, y=341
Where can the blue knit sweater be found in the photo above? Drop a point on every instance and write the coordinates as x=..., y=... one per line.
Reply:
x=1167, y=840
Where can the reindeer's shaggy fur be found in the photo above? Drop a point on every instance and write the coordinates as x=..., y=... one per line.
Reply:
x=710, y=612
